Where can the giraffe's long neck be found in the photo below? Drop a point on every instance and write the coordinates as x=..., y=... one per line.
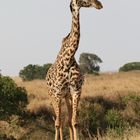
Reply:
x=71, y=42
x=75, y=27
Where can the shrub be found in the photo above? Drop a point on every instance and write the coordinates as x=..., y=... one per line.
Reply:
x=131, y=97
x=31, y=72
x=12, y=98
x=132, y=108
x=91, y=116
x=113, y=118
x=99, y=115
x=115, y=121
x=4, y=137
x=130, y=66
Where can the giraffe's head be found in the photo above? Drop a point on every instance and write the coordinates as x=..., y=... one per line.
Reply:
x=87, y=3
x=90, y=3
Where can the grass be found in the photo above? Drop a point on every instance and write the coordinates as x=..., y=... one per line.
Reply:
x=111, y=85
x=107, y=84
x=114, y=99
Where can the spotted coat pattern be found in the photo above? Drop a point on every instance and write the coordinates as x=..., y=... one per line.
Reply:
x=64, y=78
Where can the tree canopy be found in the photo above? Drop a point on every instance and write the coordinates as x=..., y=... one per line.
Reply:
x=89, y=63
x=12, y=98
x=130, y=66
x=31, y=72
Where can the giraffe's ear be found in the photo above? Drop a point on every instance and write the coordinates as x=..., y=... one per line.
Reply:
x=97, y=4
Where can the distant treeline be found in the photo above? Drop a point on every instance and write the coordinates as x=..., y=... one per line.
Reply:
x=31, y=72
x=130, y=66
x=88, y=63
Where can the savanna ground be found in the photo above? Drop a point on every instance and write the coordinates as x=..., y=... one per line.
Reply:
x=109, y=110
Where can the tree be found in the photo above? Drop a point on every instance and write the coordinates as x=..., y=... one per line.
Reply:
x=31, y=72
x=130, y=66
x=27, y=72
x=89, y=63
x=12, y=98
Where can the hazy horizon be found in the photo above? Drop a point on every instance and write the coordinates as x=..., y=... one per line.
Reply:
x=31, y=32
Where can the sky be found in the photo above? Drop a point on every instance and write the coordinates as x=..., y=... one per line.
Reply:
x=31, y=32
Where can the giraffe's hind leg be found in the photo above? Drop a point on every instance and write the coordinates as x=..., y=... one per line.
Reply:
x=69, y=107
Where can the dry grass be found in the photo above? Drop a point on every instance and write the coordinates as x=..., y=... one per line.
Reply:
x=112, y=84
x=108, y=85
x=128, y=135
x=37, y=94
x=12, y=129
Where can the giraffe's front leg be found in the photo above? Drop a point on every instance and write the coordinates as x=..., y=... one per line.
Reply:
x=58, y=128
x=69, y=107
x=75, y=101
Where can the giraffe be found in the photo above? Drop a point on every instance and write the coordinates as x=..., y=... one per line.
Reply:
x=64, y=78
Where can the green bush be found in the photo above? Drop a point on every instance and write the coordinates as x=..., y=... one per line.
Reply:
x=132, y=108
x=31, y=72
x=98, y=115
x=12, y=98
x=4, y=137
x=115, y=121
x=130, y=66
x=91, y=116
x=131, y=97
